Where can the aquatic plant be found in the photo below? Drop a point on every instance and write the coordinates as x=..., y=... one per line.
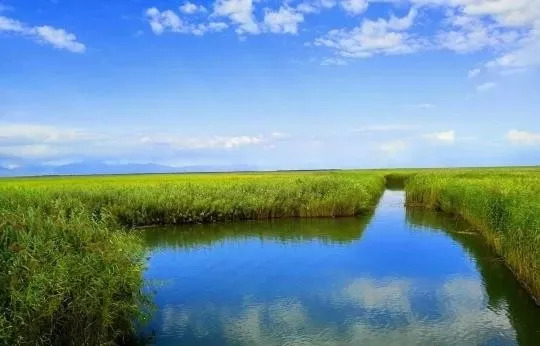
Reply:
x=72, y=270
x=503, y=204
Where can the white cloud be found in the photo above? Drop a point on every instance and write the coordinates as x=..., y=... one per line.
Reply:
x=168, y=20
x=191, y=8
x=526, y=55
x=53, y=143
x=240, y=12
x=507, y=12
x=12, y=25
x=285, y=20
x=59, y=38
x=33, y=151
x=373, y=37
x=217, y=142
x=161, y=21
x=523, y=137
x=486, y=86
x=508, y=27
x=444, y=136
x=305, y=7
x=354, y=7
x=56, y=37
x=511, y=26
x=11, y=134
x=471, y=33
x=473, y=73
x=315, y=6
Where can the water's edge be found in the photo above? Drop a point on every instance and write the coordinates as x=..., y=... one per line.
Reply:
x=210, y=235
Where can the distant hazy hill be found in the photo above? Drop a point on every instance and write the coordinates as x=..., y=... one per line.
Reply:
x=104, y=168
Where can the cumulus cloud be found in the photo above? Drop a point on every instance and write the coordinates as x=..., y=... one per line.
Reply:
x=527, y=54
x=507, y=12
x=511, y=26
x=168, y=20
x=59, y=38
x=56, y=37
x=191, y=8
x=523, y=137
x=469, y=33
x=165, y=20
x=284, y=20
x=508, y=27
x=373, y=37
x=470, y=25
x=354, y=7
x=12, y=25
x=239, y=12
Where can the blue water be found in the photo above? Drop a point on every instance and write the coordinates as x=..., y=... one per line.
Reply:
x=396, y=277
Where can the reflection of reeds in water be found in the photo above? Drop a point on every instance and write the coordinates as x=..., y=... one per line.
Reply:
x=503, y=290
x=72, y=273
x=503, y=205
x=338, y=230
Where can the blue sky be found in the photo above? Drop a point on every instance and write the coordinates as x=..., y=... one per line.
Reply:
x=271, y=84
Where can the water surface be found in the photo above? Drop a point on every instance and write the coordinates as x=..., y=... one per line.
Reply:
x=393, y=278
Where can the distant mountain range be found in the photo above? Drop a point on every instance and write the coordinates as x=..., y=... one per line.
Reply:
x=83, y=168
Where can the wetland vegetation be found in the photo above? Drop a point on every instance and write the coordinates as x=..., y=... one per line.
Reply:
x=74, y=263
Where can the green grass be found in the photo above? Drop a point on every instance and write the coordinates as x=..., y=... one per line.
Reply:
x=503, y=204
x=72, y=267
x=72, y=270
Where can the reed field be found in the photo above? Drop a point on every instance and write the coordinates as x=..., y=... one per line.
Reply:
x=502, y=204
x=72, y=266
x=72, y=270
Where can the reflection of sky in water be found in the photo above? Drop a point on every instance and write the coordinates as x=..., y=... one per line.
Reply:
x=379, y=312
x=395, y=285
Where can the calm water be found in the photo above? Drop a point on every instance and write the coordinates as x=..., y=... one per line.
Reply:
x=393, y=278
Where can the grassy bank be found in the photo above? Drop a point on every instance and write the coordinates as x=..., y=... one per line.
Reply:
x=503, y=204
x=72, y=271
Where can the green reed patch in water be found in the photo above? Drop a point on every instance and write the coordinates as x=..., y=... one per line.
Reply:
x=71, y=271
x=503, y=204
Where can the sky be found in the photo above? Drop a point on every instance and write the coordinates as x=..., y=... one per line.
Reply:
x=290, y=84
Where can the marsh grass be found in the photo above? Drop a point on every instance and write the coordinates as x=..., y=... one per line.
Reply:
x=503, y=205
x=72, y=266
x=72, y=269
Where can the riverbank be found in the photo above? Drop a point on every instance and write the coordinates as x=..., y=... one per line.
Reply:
x=504, y=206
x=72, y=271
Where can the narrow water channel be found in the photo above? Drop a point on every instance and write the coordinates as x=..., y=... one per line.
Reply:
x=397, y=277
